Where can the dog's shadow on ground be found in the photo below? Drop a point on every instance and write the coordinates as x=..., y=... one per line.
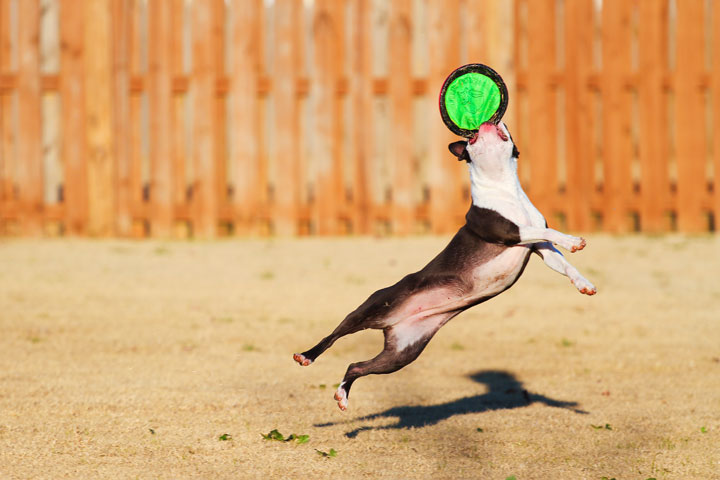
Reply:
x=504, y=392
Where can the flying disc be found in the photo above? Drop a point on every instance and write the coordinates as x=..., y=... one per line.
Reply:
x=470, y=96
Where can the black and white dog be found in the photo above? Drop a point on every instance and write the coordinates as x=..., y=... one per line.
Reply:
x=486, y=257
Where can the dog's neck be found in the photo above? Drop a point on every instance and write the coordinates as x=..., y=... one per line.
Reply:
x=493, y=176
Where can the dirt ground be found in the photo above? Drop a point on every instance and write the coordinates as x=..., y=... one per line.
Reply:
x=123, y=359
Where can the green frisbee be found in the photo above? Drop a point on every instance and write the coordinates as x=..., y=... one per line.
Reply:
x=470, y=96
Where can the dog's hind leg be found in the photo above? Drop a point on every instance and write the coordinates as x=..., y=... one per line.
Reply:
x=404, y=342
x=345, y=328
x=376, y=312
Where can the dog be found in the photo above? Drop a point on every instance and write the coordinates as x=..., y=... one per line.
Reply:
x=486, y=257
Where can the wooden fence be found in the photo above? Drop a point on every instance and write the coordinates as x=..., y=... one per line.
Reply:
x=214, y=117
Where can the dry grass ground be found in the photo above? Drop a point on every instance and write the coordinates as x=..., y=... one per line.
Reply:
x=130, y=360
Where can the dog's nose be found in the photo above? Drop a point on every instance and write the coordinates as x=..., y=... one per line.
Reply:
x=488, y=127
x=491, y=127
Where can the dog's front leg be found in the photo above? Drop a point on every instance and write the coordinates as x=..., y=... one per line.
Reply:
x=529, y=234
x=556, y=261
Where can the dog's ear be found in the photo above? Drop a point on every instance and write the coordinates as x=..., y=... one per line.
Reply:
x=459, y=149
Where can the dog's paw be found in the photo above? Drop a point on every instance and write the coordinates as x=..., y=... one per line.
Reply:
x=572, y=244
x=578, y=246
x=300, y=358
x=341, y=397
x=584, y=286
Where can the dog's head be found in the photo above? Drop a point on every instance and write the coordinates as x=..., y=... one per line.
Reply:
x=491, y=143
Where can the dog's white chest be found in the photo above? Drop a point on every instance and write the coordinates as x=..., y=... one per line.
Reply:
x=491, y=278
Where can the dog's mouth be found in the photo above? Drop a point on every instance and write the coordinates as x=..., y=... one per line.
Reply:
x=488, y=127
x=502, y=135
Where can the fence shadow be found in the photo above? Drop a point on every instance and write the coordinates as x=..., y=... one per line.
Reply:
x=504, y=392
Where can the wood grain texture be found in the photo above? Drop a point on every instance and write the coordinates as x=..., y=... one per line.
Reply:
x=204, y=70
x=121, y=31
x=101, y=166
x=7, y=123
x=285, y=133
x=616, y=141
x=541, y=154
x=401, y=111
x=690, y=116
x=74, y=151
x=361, y=103
x=160, y=47
x=578, y=113
x=715, y=86
x=29, y=147
x=653, y=128
x=245, y=111
x=328, y=19
x=445, y=175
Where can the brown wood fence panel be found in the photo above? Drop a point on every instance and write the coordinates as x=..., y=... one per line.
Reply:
x=72, y=88
x=245, y=69
x=578, y=107
x=654, y=183
x=715, y=88
x=541, y=153
x=617, y=142
x=29, y=167
x=401, y=114
x=205, y=118
x=689, y=114
x=7, y=141
x=160, y=47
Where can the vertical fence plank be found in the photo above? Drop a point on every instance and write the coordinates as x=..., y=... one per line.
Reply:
x=285, y=133
x=654, y=184
x=160, y=97
x=400, y=90
x=29, y=146
x=617, y=151
x=542, y=125
x=690, y=115
x=220, y=110
x=361, y=92
x=578, y=42
x=715, y=85
x=121, y=114
x=203, y=85
x=73, y=117
x=247, y=17
x=98, y=111
x=328, y=48
x=179, y=123
x=7, y=156
x=444, y=182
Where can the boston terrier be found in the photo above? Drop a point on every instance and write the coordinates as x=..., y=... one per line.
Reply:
x=485, y=258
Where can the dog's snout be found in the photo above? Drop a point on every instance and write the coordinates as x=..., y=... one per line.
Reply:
x=490, y=127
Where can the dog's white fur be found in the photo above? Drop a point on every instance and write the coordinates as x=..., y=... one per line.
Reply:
x=495, y=185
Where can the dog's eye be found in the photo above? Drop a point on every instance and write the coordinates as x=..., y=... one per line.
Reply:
x=516, y=152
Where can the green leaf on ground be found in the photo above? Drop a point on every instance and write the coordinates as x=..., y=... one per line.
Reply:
x=225, y=437
x=276, y=435
x=331, y=453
